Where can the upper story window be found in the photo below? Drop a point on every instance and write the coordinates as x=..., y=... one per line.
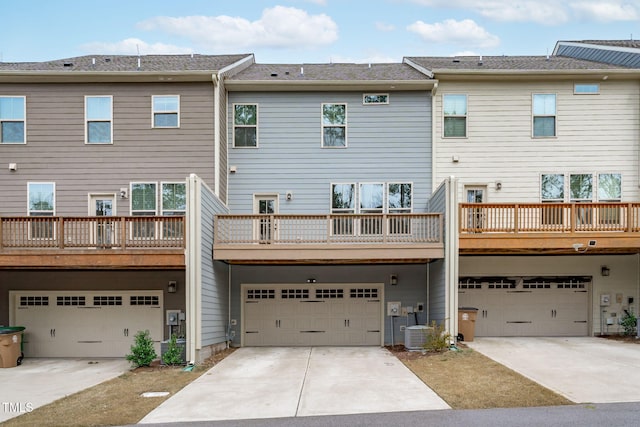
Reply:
x=143, y=198
x=98, y=116
x=174, y=199
x=455, y=116
x=399, y=198
x=375, y=98
x=552, y=188
x=12, y=120
x=544, y=115
x=42, y=199
x=245, y=125
x=166, y=111
x=334, y=125
x=586, y=88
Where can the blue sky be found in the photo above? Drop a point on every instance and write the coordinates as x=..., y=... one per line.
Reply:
x=311, y=31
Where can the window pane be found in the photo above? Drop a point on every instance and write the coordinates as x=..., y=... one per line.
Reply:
x=334, y=114
x=455, y=105
x=455, y=126
x=609, y=186
x=587, y=88
x=246, y=137
x=544, y=126
x=334, y=137
x=12, y=132
x=143, y=197
x=343, y=196
x=165, y=120
x=99, y=132
x=99, y=108
x=165, y=103
x=544, y=105
x=246, y=115
x=174, y=197
x=399, y=196
x=12, y=108
x=41, y=197
x=371, y=196
x=376, y=99
x=581, y=187
x=552, y=187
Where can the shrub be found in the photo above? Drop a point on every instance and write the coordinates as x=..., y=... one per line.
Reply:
x=628, y=323
x=437, y=339
x=173, y=355
x=142, y=351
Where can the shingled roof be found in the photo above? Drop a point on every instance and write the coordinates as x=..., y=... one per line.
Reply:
x=507, y=63
x=128, y=63
x=328, y=72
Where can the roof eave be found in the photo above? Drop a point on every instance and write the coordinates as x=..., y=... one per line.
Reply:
x=329, y=85
x=104, y=76
x=535, y=74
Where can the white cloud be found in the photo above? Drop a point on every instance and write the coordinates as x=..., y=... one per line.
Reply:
x=278, y=27
x=547, y=12
x=132, y=46
x=465, y=32
x=606, y=11
x=381, y=26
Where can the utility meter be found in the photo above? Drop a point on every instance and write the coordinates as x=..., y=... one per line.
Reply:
x=393, y=308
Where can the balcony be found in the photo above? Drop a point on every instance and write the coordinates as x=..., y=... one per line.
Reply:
x=92, y=242
x=317, y=239
x=549, y=228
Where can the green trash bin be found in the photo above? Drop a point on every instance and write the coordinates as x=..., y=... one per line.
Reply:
x=10, y=337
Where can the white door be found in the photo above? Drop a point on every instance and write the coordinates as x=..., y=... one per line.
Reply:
x=103, y=207
x=86, y=324
x=303, y=315
x=475, y=194
x=265, y=228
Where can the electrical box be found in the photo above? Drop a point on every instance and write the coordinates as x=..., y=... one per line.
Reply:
x=605, y=300
x=173, y=317
x=420, y=307
x=394, y=308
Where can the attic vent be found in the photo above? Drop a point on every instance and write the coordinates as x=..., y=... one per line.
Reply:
x=456, y=60
x=274, y=74
x=68, y=64
x=107, y=59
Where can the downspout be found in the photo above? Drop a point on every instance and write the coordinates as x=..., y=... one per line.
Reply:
x=191, y=256
x=451, y=255
x=434, y=163
x=229, y=338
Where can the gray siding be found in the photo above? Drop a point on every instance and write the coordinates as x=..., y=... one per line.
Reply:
x=437, y=269
x=410, y=290
x=215, y=276
x=56, y=152
x=386, y=143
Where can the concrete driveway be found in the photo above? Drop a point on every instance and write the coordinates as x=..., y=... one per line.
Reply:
x=38, y=382
x=274, y=382
x=583, y=369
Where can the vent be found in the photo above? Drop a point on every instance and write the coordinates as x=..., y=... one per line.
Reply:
x=415, y=337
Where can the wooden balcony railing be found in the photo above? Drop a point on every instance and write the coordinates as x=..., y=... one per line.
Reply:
x=103, y=232
x=329, y=229
x=548, y=217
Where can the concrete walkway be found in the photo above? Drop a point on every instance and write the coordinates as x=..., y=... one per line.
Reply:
x=583, y=369
x=301, y=381
x=38, y=382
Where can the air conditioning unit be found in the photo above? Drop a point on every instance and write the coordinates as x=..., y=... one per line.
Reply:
x=415, y=337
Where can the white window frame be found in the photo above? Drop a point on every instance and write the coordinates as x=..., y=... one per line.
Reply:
x=398, y=210
x=465, y=115
x=102, y=120
x=29, y=211
x=23, y=121
x=135, y=213
x=593, y=188
x=365, y=101
x=322, y=126
x=586, y=86
x=234, y=126
x=554, y=115
x=154, y=112
x=42, y=230
x=597, y=190
x=380, y=210
x=161, y=201
x=355, y=198
x=564, y=187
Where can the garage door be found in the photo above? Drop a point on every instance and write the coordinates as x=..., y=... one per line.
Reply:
x=527, y=306
x=288, y=315
x=86, y=324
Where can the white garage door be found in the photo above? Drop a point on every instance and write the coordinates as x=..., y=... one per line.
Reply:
x=86, y=324
x=287, y=315
x=527, y=306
